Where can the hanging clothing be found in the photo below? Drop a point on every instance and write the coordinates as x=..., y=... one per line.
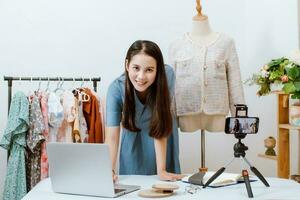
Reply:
x=137, y=152
x=44, y=157
x=64, y=133
x=101, y=103
x=208, y=77
x=55, y=115
x=102, y=115
x=14, y=141
x=76, y=137
x=35, y=138
x=93, y=118
x=80, y=130
x=79, y=133
x=82, y=123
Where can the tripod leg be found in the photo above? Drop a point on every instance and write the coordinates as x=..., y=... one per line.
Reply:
x=218, y=173
x=260, y=176
x=247, y=183
x=257, y=173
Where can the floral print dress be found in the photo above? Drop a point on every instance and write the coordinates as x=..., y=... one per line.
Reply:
x=35, y=138
x=14, y=141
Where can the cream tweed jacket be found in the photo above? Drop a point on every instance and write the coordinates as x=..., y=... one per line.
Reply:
x=208, y=77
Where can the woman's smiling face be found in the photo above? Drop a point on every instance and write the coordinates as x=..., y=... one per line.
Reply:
x=141, y=71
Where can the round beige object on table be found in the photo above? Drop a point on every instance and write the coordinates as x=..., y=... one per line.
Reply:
x=165, y=186
x=150, y=193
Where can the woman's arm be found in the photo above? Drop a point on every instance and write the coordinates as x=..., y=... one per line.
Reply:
x=112, y=137
x=161, y=152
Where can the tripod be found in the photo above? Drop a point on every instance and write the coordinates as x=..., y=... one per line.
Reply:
x=239, y=152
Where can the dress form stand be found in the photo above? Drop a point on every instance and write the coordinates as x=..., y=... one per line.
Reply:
x=202, y=35
x=202, y=168
x=200, y=17
x=198, y=176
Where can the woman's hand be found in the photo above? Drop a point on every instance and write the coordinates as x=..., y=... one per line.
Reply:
x=160, y=151
x=115, y=176
x=166, y=176
x=112, y=139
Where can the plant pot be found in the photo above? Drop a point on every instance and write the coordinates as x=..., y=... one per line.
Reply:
x=276, y=87
x=295, y=114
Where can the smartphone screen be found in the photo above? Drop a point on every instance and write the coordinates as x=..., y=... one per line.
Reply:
x=241, y=125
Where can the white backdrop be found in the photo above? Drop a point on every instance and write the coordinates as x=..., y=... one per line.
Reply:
x=90, y=38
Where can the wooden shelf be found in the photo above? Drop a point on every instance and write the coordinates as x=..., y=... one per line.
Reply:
x=289, y=127
x=283, y=136
x=268, y=157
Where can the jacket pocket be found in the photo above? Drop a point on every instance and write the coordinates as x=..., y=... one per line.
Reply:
x=184, y=66
x=220, y=69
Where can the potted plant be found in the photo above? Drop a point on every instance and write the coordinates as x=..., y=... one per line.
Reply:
x=281, y=74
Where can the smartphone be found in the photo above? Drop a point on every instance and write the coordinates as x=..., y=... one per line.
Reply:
x=241, y=125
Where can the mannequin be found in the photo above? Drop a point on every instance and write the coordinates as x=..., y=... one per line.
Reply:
x=208, y=80
x=202, y=34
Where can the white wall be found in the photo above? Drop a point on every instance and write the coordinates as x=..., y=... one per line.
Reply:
x=90, y=38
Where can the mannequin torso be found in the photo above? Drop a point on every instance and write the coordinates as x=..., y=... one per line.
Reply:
x=202, y=121
x=202, y=35
x=201, y=32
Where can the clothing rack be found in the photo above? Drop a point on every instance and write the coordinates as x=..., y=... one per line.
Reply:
x=10, y=80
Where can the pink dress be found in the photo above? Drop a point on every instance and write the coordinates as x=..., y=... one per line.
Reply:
x=44, y=157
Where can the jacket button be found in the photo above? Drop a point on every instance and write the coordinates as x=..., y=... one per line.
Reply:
x=205, y=83
x=204, y=67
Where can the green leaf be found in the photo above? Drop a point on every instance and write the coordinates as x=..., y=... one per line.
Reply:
x=264, y=89
x=276, y=62
x=296, y=95
x=297, y=85
x=289, y=87
x=276, y=75
x=293, y=73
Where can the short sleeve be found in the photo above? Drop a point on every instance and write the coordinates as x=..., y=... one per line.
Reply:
x=171, y=85
x=171, y=79
x=113, y=105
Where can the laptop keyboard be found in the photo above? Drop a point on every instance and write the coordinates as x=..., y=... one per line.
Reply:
x=119, y=190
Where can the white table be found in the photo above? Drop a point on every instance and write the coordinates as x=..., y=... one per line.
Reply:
x=282, y=189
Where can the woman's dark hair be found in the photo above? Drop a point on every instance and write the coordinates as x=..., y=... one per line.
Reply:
x=158, y=97
x=236, y=127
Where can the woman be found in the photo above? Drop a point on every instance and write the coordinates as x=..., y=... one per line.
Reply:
x=236, y=127
x=140, y=100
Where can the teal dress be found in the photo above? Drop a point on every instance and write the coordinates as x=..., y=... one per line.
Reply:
x=137, y=152
x=14, y=140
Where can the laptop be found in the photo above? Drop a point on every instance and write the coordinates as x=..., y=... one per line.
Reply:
x=83, y=169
